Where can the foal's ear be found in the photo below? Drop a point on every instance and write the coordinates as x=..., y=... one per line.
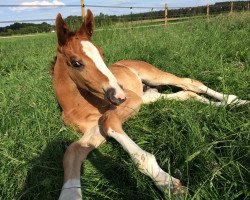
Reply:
x=88, y=24
x=62, y=30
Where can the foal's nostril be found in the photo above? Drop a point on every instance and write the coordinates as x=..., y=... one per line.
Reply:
x=110, y=94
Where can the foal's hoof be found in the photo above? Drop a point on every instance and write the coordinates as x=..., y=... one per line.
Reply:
x=174, y=190
x=233, y=100
x=180, y=191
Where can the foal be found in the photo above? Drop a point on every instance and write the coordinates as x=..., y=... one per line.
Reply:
x=96, y=100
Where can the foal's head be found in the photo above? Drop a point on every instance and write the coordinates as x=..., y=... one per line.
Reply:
x=85, y=62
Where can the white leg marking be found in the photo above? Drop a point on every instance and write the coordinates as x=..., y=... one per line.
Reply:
x=225, y=99
x=212, y=93
x=152, y=95
x=71, y=190
x=146, y=162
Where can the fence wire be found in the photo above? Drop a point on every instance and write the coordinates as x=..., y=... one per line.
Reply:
x=133, y=13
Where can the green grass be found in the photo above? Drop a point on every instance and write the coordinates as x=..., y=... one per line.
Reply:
x=205, y=146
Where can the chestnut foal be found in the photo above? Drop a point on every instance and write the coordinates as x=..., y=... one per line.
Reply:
x=96, y=100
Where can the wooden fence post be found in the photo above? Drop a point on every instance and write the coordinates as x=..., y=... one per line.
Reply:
x=232, y=7
x=151, y=14
x=248, y=7
x=131, y=14
x=208, y=10
x=83, y=9
x=166, y=14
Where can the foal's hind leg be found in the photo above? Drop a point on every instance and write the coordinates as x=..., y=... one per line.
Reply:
x=152, y=76
x=152, y=95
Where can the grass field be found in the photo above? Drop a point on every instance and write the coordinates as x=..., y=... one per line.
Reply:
x=205, y=146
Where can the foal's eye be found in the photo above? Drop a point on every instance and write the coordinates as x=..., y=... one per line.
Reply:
x=76, y=63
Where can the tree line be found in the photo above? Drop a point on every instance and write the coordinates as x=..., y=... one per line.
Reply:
x=216, y=8
x=25, y=28
x=104, y=20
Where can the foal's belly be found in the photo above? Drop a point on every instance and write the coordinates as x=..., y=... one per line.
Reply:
x=127, y=78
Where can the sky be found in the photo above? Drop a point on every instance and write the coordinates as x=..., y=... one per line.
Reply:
x=37, y=13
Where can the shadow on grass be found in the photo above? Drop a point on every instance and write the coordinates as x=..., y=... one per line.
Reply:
x=45, y=177
x=121, y=183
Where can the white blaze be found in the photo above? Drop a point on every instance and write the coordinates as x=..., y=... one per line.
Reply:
x=92, y=52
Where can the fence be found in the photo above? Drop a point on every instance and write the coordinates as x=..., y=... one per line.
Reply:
x=132, y=14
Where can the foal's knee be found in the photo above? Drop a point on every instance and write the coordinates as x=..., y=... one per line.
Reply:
x=76, y=152
x=110, y=120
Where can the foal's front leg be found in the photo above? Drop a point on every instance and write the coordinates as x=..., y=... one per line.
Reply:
x=146, y=162
x=75, y=154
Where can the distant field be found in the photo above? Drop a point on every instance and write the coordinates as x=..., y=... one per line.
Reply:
x=206, y=147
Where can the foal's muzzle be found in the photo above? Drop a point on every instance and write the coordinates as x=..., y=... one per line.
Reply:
x=111, y=96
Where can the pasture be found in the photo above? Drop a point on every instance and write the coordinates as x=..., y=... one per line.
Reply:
x=206, y=147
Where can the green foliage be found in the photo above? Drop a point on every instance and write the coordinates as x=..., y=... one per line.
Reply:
x=103, y=20
x=74, y=22
x=25, y=28
x=205, y=146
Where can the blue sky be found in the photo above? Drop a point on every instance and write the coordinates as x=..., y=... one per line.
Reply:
x=18, y=14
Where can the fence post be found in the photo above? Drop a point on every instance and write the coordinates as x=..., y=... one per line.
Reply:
x=166, y=14
x=248, y=7
x=131, y=14
x=83, y=9
x=208, y=10
x=151, y=14
x=232, y=7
